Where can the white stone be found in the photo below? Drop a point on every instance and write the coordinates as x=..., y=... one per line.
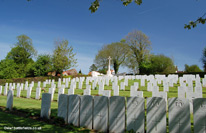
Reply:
x=39, y=84
x=107, y=93
x=18, y=94
x=38, y=93
x=51, y=91
x=87, y=92
x=116, y=91
x=29, y=92
x=1, y=89
x=70, y=91
x=122, y=86
x=5, y=90
x=14, y=86
x=181, y=92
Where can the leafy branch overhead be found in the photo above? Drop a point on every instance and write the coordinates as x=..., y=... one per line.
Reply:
x=193, y=24
x=95, y=5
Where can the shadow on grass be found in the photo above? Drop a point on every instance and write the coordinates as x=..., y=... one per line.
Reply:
x=30, y=120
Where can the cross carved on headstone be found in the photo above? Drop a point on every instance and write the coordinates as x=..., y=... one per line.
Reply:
x=134, y=104
x=134, y=120
x=155, y=104
x=156, y=121
x=179, y=124
x=100, y=115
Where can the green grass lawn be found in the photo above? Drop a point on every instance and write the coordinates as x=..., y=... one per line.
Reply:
x=13, y=123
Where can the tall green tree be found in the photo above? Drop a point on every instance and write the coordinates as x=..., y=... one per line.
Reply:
x=93, y=68
x=161, y=64
x=63, y=56
x=118, y=51
x=22, y=54
x=192, y=68
x=43, y=65
x=8, y=69
x=101, y=59
x=203, y=59
x=140, y=47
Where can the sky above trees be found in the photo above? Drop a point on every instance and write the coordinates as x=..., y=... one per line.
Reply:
x=50, y=20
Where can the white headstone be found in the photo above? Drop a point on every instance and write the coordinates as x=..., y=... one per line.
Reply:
x=29, y=92
x=38, y=93
x=122, y=86
x=71, y=91
x=1, y=89
x=5, y=90
x=107, y=93
x=87, y=92
x=18, y=94
x=116, y=91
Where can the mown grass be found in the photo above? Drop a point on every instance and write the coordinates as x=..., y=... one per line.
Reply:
x=12, y=123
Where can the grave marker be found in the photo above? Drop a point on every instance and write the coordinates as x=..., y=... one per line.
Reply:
x=117, y=114
x=100, y=114
x=70, y=91
x=38, y=93
x=5, y=90
x=73, y=110
x=18, y=94
x=179, y=115
x=199, y=114
x=9, y=104
x=46, y=105
x=106, y=93
x=63, y=104
x=86, y=105
x=1, y=89
x=135, y=114
x=29, y=92
x=156, y=115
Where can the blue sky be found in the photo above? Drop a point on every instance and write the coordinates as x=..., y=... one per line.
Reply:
x=45, y=21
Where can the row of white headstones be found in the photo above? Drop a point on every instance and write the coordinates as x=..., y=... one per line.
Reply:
x=186, y=85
